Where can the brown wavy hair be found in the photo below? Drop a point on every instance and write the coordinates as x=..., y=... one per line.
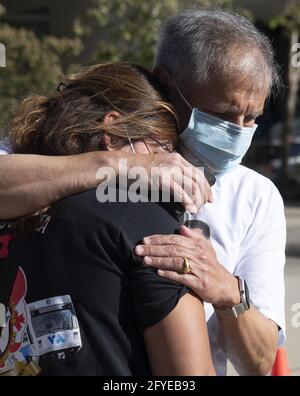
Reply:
x=71, y=122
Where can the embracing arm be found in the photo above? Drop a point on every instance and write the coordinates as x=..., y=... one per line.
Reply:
x=31, y=182
x=178, y=345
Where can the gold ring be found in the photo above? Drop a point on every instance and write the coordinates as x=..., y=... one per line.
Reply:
x=186, y=268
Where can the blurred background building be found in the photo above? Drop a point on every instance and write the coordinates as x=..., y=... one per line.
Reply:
x=46, y=38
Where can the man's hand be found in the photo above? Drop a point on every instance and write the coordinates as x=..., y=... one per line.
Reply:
x=249, y=341
x=171, y=172
x=208, y=278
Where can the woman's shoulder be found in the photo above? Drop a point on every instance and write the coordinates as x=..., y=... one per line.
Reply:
x=130, y=216
x=85, y=207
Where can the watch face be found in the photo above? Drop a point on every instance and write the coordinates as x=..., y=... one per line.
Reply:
x=247, y=297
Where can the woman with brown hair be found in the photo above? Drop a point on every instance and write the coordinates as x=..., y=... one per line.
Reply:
x=88, y=304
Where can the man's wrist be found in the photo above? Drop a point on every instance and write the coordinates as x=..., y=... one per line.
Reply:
x=234, y=296
x=239, y=308
x=97, y=160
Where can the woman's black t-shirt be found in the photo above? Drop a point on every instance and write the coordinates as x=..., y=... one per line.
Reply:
x=81, y=298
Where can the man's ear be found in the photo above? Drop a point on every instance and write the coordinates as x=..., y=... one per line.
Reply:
x=163, y=77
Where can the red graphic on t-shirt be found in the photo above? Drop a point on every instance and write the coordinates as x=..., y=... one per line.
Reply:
x=4, y=242
x=12, y=341
x=19, y=321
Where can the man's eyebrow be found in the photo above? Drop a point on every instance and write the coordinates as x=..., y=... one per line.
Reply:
x=227, y=108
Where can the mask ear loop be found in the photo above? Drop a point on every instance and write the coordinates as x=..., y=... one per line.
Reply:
x=209, y=176
x=182, y=96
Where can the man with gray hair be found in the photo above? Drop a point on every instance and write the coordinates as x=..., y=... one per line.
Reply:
x=218, y=71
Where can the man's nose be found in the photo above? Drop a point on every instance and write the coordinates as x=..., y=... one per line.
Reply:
x=236, y=119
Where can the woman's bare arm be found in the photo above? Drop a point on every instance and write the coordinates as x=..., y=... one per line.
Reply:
x=178, y=345
x=31, y=182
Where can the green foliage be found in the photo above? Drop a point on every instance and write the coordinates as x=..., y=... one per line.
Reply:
x=128, y=29
x=33, y=65
x=289, y=19
x=228, y=4
x=214, y=3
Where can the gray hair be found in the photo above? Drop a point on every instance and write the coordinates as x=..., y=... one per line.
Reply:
x=199, y=43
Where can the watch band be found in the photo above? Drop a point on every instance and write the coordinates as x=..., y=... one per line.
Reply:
x=240, y=308
x=233, y=312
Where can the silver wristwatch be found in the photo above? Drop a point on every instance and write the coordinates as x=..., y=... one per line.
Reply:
x=239, y=309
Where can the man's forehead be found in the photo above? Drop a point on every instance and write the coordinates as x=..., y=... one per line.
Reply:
x=225, y=97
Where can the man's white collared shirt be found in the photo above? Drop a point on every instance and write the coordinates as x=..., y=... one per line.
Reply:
x=248, y=232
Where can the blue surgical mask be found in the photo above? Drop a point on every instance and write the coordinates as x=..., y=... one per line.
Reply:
x=214, y=143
